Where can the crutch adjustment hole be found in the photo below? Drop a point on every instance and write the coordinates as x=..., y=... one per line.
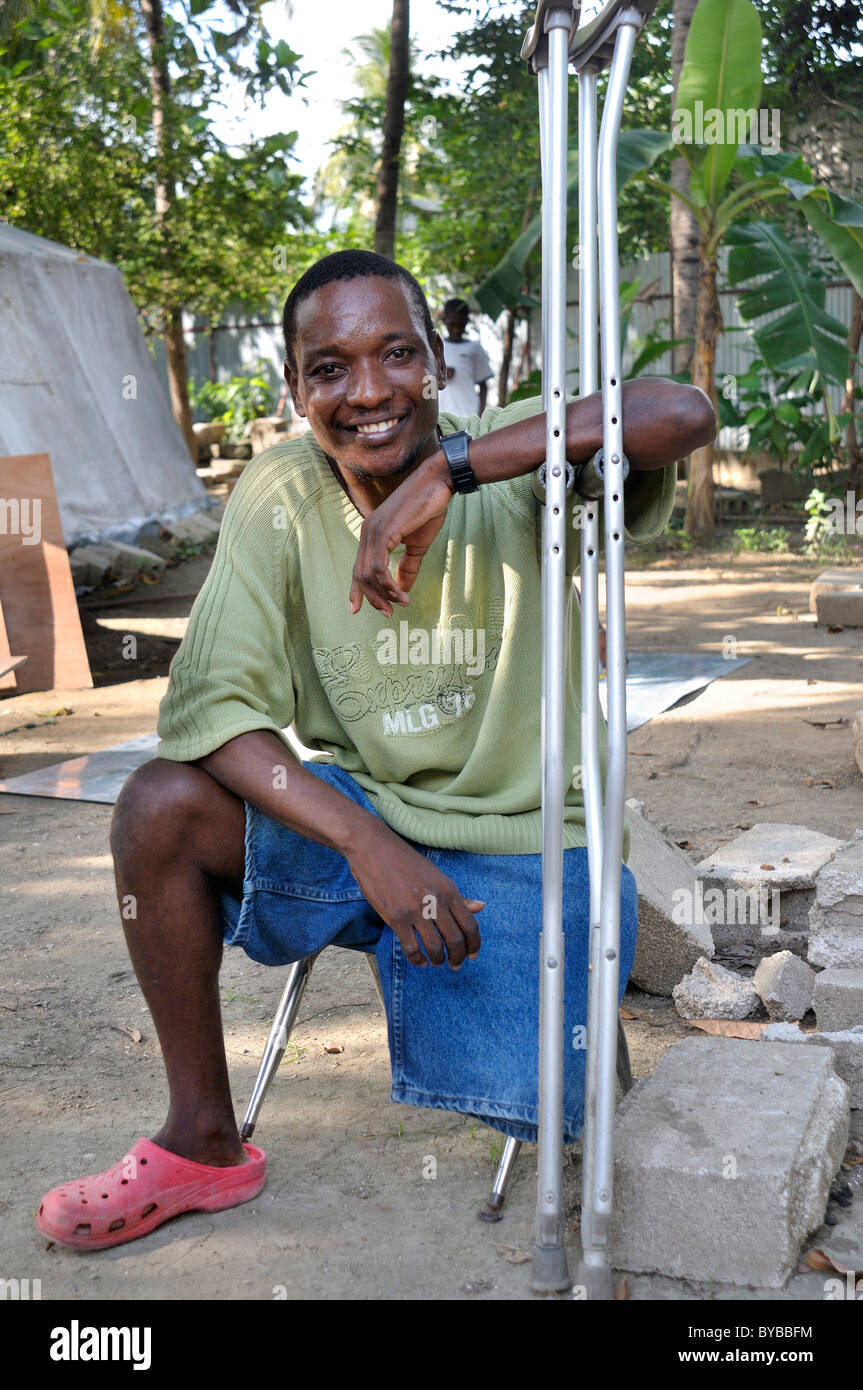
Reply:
x=590, y=516
x=590, y=552
x=613, y=382
x=615, y=497
x=555, y=511
x=557, y=395
x=557, y=434
x=614, y=422
x=555, y=550
x=610, y=955
x=616, y=536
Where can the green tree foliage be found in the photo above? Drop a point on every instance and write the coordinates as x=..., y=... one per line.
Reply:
x=77, y=161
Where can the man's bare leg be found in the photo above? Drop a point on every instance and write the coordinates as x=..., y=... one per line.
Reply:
x=178, y=839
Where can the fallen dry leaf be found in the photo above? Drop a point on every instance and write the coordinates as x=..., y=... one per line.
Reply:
x=627, y=1013
x=820, y=782
x=683, y=844
x=768, y=866
x=839, y=723
x=816, y=1259
x=621, y=1290
x=334, y=1047
x=728, y=1027
x=836, y=628
x=512, y=1255
x=129, y=1032
x=754, y=803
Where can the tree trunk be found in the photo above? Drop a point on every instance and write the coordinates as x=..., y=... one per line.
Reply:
x=708, y=325
x=684, y=228
x=160, y=94
x=506, y=361
x=852, y=443
x=394, y=121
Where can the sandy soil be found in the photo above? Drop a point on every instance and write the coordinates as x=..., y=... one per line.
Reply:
x=347, y=1211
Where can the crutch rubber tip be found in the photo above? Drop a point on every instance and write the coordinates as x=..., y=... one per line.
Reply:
x=550, y=1271
x=491, y=1210
x=594, y=1283
x=246, y=1131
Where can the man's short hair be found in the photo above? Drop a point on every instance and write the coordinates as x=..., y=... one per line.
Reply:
x=456, y=306
x=349, y=265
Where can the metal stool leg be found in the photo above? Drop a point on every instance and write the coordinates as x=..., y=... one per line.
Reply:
x=492, y=1211
x=286, y=1013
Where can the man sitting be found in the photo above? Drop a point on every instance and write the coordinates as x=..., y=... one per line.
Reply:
x=424, y=815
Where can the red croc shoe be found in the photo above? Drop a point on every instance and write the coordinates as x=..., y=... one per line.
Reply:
x=148, y=1186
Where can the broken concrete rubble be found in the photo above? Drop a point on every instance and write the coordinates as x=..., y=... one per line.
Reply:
x=847, y=1048
x=838, y=999
x=724, y=1157
x=768, y=877
x=668, y=945
x=785, y=985
x=711, y=991
x=836, y=917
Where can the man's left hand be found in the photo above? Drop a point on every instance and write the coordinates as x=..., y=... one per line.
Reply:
x=413, y=514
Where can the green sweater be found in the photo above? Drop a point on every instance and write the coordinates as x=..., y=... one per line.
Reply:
x=435, y=712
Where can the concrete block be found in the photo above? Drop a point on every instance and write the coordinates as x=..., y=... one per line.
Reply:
x=836, y=917
x=784, y=984
x=669, y=940
x=838, y=999
x=840, y=608
x=846, y=1046
x=711, y=991
x=266, y=431
x=724, y=1156
x=857, y=738
x=91, y=565
x=833, y=581
x=132, y=559
x=158, y=545
x=767, y=876
x=195, y=530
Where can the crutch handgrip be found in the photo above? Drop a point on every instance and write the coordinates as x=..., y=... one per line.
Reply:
x=590, y=479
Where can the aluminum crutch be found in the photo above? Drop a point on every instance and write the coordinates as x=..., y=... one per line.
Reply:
x=609, y=37
x=546, y=49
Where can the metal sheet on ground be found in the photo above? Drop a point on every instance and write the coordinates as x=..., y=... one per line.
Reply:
x=654, y=682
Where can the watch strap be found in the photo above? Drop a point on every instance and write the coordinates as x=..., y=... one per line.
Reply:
x=455, y=448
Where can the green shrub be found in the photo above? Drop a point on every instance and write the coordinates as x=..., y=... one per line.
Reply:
x=235, y=402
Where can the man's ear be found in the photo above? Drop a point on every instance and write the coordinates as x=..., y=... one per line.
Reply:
x=440, y=361
x=293, y=386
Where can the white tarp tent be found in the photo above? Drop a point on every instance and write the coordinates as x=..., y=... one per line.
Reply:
x=77, y=381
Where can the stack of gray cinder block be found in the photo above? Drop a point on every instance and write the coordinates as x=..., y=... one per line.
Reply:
x=724, y=1156
x=836, y=597
x=763, y=885
x=836, y=917
x=669, y=940
x=846, y=1045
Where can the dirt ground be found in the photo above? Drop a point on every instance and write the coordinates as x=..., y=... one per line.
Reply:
x=349, y=1211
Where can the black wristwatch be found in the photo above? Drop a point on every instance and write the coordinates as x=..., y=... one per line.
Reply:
x=455, y=447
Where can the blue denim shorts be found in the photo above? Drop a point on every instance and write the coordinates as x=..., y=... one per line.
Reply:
x=461, y=1040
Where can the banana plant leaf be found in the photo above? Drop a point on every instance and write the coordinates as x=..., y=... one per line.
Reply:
x=721, y=74
x=637, y=151
x=805, y=335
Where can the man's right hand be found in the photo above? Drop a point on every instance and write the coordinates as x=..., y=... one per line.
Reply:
x=416, y=900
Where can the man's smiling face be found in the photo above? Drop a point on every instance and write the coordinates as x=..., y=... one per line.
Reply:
x=366, y=377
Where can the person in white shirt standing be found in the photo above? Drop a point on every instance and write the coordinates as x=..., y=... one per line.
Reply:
x=467, y=367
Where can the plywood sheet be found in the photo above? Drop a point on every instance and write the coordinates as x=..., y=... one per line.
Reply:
x=8, y=662
x=36, y=589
